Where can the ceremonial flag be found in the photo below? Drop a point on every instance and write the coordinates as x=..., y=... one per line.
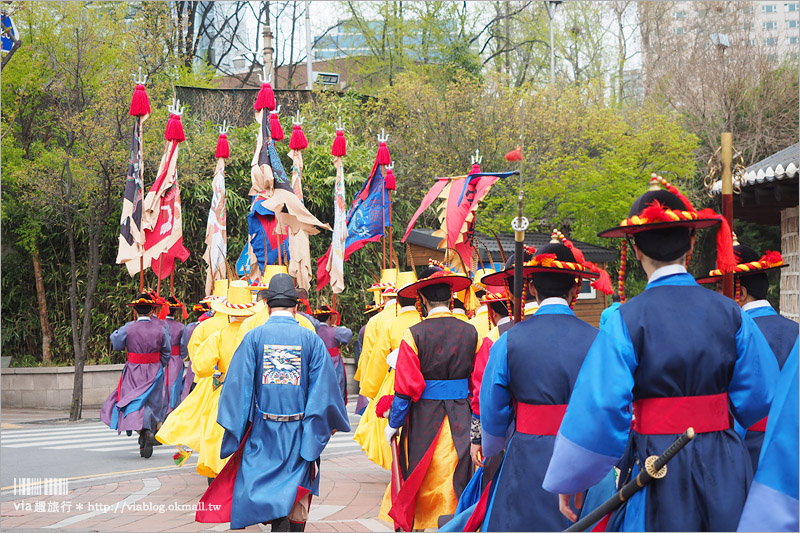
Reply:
x=460, y=197
x=131, y=236
x=162, y=220
x=275, y=205
x=216, y=232
x=299, y=247
x=366, y=219
x=335, y=266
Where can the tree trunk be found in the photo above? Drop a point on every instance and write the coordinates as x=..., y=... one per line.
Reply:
x=80, y=356
x=47, y=335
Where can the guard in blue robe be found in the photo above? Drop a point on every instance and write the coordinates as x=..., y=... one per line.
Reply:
x=675, y=356
x=773, y=500
x=525, y=391
x=279, y=406
x=752, y=285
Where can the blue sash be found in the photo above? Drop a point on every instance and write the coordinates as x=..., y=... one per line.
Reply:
x=445, y=389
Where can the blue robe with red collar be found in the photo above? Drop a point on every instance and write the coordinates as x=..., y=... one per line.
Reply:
x=675, y=340
x=280, y=369
x=534, y=363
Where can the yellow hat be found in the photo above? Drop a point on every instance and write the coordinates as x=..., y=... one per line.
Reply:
x=405, y=278
x=388, y=276
x=220, y=290
x=476, y=279
x=269, y=272
x=238, y=301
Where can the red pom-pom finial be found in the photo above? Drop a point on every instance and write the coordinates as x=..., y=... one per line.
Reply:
x=384, y=158
x=389, y=182
x=140, y=103
x=174, y=130
x=266, y=98
x=298, y=139
x=223, y=150
x=515, y=154
x=339, y=148
x=276, y=131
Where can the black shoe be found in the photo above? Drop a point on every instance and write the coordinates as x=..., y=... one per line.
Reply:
x=297, y=526
x=146, y=448
x=211, y=480
x=141, y=434
x=281, y=524
x=129, y=432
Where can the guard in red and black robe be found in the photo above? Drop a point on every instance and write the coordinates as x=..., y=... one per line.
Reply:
x=431, y=405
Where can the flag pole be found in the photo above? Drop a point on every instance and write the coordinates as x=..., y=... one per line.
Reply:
x=160, y=264
x=141, y=273
x=519, y=225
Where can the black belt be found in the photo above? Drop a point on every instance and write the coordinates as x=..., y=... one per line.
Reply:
x=282, y=418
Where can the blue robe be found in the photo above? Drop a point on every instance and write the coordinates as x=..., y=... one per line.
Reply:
x=542, y=373
x=280, y=368
x=675, y=339
x=773, y=500
x=780, y=333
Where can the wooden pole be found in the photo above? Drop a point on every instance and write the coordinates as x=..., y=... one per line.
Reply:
x=727, y=198
x=160, y=263
x=172, y=282
x=391, y=244
x=383, y=215
x=141, y=273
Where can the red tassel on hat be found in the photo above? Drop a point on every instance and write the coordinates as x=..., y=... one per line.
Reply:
x=223, y=150
x=726, y=261
x=772, y=258
x=140, y=103
x=266, y=98
x=339, y=148
x=383, y=155
x=174, y=130
x=603, y=283
x=515, y=154
x=298, y=140
x=389, y=182
x=276, y=131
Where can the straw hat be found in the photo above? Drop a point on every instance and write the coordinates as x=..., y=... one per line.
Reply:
x=238, y=301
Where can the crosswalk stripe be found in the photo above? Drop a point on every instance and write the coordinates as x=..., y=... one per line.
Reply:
x=69, y=429
x=44, y=438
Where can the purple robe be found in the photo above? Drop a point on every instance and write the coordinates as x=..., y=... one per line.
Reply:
x=334, y=338
x=188, y=378
x=175, y=368
x=138, y=401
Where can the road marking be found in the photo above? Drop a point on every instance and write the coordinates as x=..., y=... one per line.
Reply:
x=107, y=474
x=65, y=438
x=150, y=485
x=56, y=430
x=373, y=525
x=6, y=425
x=320, y=512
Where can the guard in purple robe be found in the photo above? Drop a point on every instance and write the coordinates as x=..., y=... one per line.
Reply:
x=279, y=407
x=138, y=402
x=673, y=357
x=175, y=369
x=752, y=284
x=525, y=390
x=334, y=337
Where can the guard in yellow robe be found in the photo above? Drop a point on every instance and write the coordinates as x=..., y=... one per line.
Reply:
x=209, y=326
x=369, y=383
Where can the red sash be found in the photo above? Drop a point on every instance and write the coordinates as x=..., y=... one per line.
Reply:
x=539, y=419
x=761, y=425
x=334, y=351
x=176, y=350
x=144, y=358
x=671, y=416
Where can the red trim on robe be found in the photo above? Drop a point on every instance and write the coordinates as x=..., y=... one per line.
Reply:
x=404, y=505
x=602, y=524
x=476, y=378
x=761, y=425
x=479, y=513
x=220, y=492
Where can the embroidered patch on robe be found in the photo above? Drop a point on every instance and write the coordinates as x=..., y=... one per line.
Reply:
x=282, y=365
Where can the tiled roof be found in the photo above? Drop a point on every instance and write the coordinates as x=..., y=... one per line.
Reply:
x=779, y=166
x=597, y=254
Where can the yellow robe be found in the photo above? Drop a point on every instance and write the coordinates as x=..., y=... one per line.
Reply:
x=204, y=330
x=369, y=433
x=261, y=317
x=481, y=321
x=214, y=354
x=369, y=384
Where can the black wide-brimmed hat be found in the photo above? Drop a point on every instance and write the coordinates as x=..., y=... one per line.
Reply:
x=749, y=263
x=666, y=208
x=436, y=276
x=507, y=274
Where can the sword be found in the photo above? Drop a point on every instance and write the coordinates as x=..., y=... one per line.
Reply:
x=655, y=467
x=519, y=225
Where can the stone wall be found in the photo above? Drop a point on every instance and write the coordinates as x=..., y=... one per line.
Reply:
x=790, y=284
x=51, y=387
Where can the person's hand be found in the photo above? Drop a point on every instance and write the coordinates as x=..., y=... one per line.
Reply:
x=476, y=452
x=390, y=432
x=566, y=510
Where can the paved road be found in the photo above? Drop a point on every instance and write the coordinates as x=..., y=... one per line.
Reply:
x=86, y=449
